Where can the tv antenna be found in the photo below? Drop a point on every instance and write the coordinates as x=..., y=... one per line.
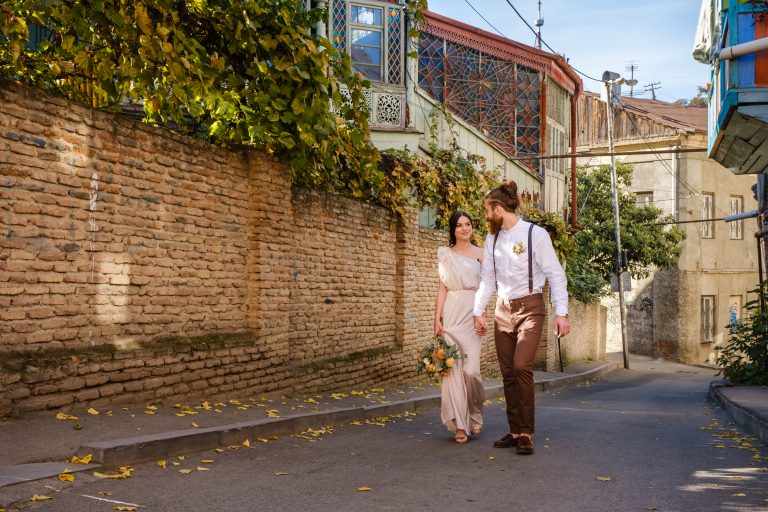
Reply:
x=652, y=87
x=631, y=67
x=539, y=24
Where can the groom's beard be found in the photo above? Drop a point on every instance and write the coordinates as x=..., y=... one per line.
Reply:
x=494, y=224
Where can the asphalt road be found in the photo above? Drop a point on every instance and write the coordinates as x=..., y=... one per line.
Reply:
x=639, y=440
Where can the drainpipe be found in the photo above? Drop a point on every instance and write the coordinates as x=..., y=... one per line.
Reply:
x=574, y=140
x=675, y=177
x=737, y=50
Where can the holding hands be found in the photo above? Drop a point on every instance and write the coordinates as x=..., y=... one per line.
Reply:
x=481, y=325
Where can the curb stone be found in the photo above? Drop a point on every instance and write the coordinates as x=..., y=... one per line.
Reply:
x=749, y=419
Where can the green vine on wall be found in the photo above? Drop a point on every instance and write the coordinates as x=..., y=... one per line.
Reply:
x=244, y=73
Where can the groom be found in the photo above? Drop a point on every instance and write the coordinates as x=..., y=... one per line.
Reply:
x=518, y=257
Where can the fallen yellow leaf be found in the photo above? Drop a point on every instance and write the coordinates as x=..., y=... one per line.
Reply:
x=603, y=478
x=162, y=463
x=491, y=458
x=62, y=416
x=740, y=494
x=311, y=401
x=280, y=474
x=152, y=407
x=364, y=489
x=40, y=497
x=123, y=472
x=93, y=411
x=261, y=440
x=105, y=493
x=246, y=443
x=179, y=414
x=149, y=412
x=203, y=468
x=185, y=471
x=85, y=460
x=219, y=450
x=273, y=413
x=124, y=509
x=207, y=461
x=67, y=476
x=719, y=446
x=377, y=390
x=195, y=425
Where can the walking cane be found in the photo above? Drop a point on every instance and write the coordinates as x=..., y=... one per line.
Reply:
x=559, y=352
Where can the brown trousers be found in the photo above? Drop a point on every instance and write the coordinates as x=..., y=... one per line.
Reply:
x=518, y=326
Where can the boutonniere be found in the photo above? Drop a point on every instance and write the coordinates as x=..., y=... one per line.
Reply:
x=518, y=248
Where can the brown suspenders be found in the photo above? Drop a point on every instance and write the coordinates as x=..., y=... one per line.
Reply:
x=530, y=259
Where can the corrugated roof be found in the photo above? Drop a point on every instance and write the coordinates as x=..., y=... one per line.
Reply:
x=668, y=114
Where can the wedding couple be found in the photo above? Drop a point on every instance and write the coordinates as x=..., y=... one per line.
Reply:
x=514, y=263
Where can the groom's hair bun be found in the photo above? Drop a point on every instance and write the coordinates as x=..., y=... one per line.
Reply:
x=505, y=195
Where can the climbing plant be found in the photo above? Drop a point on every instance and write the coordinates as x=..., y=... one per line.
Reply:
x=242, y=73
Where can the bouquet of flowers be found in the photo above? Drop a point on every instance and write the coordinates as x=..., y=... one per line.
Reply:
x=437, y=358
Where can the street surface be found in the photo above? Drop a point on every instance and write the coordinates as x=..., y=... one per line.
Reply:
x=639, y=440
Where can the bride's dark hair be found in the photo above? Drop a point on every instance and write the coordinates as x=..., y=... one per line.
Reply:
x=455, y=220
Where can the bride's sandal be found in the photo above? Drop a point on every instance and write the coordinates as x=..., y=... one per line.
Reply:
x=461, y=437
x=476, y=430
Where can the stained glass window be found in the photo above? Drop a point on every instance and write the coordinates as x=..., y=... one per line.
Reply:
x=498, y=97
x=373, y=36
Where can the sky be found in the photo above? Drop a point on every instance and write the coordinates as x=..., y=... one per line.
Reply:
x=598, y=35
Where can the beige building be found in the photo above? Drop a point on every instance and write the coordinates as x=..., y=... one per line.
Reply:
x=682, y=313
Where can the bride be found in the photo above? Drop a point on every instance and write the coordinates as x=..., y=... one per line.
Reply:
x=459, y=269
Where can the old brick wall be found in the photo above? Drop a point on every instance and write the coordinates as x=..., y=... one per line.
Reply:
x=140, y=265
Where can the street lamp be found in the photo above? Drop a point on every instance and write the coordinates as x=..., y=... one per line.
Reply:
x=610, y=79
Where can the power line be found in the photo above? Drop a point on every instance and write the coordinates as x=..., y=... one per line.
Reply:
x=545, y=43
x=485, y=20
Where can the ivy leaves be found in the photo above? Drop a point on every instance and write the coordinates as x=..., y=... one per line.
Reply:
x=237, y=73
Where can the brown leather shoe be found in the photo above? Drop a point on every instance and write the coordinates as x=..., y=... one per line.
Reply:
x=524, y=445
x=505, y=442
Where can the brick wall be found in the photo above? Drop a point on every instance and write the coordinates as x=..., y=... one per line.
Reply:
x=139, y=265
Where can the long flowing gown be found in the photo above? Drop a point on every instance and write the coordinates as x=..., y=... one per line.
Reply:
x=462, y=389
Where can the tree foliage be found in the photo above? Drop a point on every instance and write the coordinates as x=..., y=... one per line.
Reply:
x=246, y=72
x=647, y=243
x=745, y=359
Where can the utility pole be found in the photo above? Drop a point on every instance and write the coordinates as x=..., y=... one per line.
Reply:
x=617, y=229
x=652, y=87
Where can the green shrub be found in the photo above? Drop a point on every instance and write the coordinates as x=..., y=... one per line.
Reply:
x=745, y=359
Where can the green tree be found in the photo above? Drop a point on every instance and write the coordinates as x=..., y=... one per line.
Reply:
x=646, y=242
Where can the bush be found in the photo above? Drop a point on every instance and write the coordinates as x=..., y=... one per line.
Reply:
x=745, y=359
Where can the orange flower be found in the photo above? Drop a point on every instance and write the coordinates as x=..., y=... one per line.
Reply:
x=440, y=354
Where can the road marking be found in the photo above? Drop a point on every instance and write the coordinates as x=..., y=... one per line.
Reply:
x=113, y=501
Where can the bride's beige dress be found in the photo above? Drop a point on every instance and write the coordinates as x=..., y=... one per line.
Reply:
x=462, y=389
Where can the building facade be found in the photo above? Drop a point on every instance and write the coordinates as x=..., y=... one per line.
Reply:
x=682, y=313
x=509, y=102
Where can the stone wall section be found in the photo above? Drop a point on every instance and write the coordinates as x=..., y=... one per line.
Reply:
x=138, y=265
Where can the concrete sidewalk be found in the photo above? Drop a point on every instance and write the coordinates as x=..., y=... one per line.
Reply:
x=41, y=445
x=747, y=405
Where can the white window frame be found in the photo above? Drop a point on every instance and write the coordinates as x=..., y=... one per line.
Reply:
x=707, y=212
x=382, y=29
x=708, y=318
x=736, y=204
x=644, y=198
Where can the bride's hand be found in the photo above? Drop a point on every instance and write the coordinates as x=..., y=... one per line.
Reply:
x=439, y=328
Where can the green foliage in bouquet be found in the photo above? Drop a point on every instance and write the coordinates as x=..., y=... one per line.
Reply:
x=437, y=357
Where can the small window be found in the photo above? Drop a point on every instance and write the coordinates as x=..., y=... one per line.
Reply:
x=707, y=318
x=644, y=198
x=367, y=41
x=737, y=227
x=707, y=212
